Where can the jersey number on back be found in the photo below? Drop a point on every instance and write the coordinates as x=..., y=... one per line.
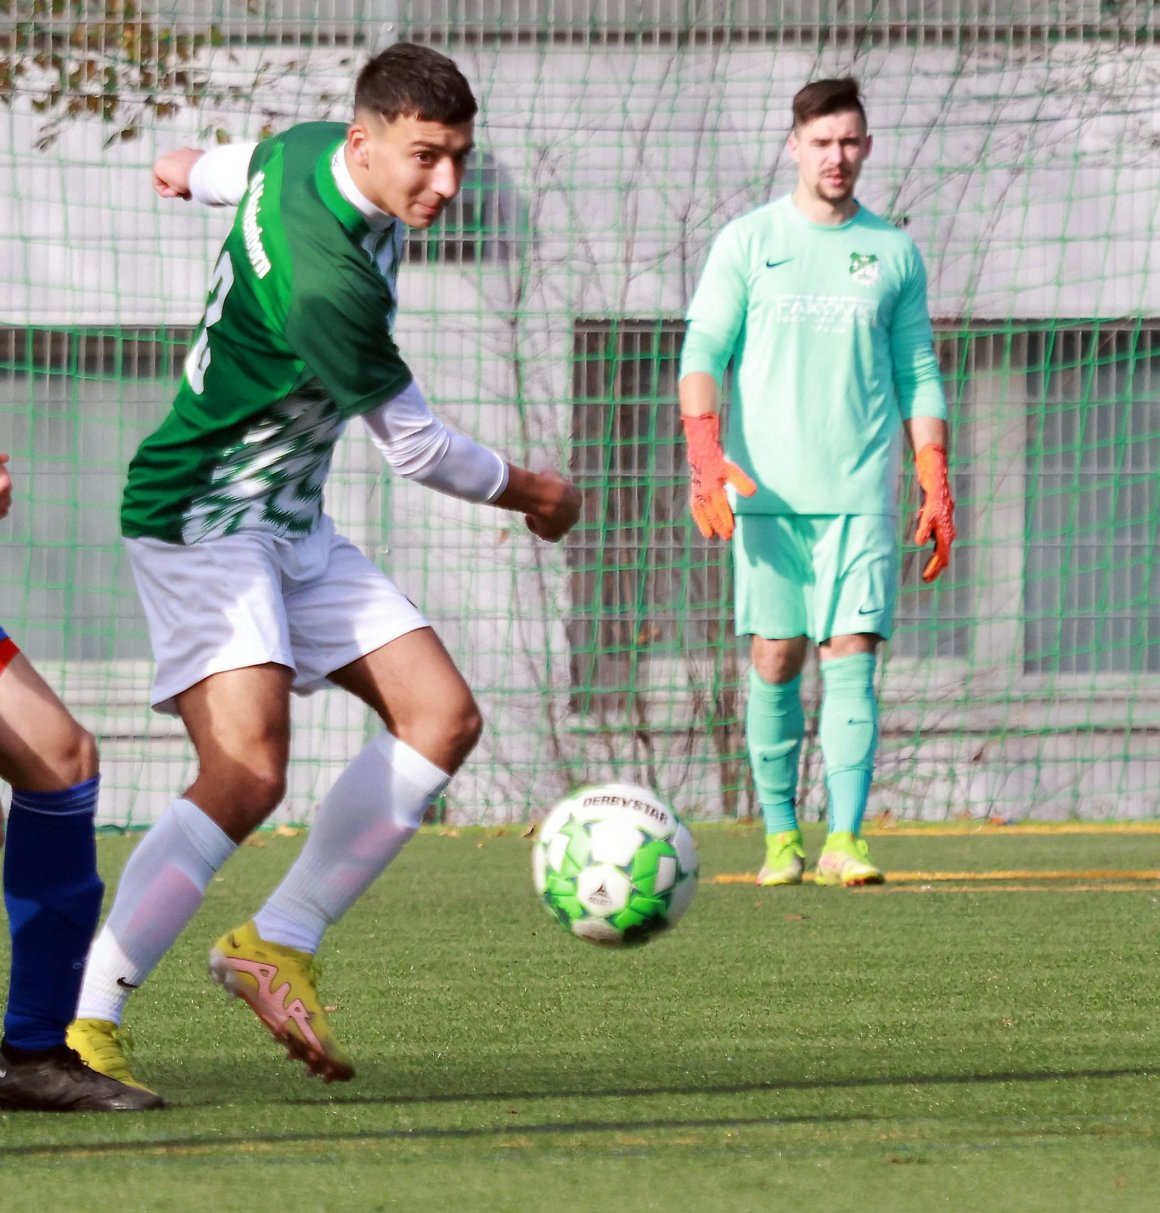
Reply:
x=198, y=359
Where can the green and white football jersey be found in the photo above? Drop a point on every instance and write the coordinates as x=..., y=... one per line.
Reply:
x=295, y=340
x=831, y=340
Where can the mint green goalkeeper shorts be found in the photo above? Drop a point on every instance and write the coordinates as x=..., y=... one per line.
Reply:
x=815, y=575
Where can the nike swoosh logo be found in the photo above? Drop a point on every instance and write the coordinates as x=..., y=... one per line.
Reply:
x=772, y=265
x=127, y=985
x=861, y=611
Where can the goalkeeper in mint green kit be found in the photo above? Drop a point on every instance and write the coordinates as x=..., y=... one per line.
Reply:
x=821, y=306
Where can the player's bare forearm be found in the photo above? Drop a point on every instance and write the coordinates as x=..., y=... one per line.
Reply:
x=699, y=394
x=927, y=431
x=5, y=487
x=550, y=504
x=171, y=172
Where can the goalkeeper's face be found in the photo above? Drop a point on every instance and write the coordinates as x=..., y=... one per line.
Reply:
x=410, y=168
x=830, y=152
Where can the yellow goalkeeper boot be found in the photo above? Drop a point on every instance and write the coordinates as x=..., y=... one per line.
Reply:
x=279, y=984
x=845, y=862
x=785, y=859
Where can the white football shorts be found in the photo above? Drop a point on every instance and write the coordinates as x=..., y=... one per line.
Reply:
x=313, y=603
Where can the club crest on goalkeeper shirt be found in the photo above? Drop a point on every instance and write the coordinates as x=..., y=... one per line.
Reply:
x=864, y=268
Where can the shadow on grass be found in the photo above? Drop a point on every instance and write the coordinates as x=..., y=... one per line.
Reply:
x=164, y=1140
x=370, y=1075
x=216, y=1142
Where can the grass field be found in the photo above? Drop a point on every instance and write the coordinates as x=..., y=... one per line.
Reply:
x=940, y=1043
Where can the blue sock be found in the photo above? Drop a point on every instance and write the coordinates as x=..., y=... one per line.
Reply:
x=848, y=732
x=53, y=896
x=774, y=728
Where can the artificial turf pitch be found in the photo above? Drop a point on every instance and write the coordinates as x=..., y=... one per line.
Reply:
x=972, y=1036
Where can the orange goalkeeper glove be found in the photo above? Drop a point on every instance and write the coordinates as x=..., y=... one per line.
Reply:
x=936, y=518
x=711, y=471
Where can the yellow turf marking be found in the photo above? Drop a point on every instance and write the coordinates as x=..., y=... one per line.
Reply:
x=893, y=877
x=1058, y=889
x=967, y=828
x=1024, y=874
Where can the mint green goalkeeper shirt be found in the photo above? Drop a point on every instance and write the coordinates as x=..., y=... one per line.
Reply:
x=830, y=337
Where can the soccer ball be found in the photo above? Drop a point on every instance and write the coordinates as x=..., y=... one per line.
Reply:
x=614, y=864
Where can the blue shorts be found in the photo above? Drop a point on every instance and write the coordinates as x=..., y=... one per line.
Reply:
x=815, y=575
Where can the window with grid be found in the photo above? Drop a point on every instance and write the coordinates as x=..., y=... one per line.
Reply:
x=75, y=405
x=645, y=585
x=1092, y=581
x=1055, y=455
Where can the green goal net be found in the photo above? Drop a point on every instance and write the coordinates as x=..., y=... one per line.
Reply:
x=1018, y=143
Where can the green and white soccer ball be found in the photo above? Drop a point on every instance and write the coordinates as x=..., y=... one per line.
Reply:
x=614, y=864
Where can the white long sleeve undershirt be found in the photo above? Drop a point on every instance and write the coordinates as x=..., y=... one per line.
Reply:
x=420, y=447
x=220, y=176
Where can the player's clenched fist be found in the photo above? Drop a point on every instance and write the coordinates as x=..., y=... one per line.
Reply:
x=171, y=172
x=559, y=512
x=549, y=503
x=711, y=472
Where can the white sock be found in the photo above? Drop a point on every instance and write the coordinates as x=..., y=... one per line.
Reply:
x=161, y=887
x=375, y=806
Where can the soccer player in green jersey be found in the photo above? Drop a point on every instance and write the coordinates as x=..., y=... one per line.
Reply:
x=821, y=306
x=248, y=591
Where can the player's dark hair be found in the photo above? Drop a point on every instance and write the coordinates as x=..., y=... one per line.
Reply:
x=824, y=97
x=417, y=82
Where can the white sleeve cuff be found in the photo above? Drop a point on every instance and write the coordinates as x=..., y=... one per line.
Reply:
x=420, y=447
x=220, y=177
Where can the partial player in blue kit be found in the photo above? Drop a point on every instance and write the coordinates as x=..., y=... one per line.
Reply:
x=821, y=307
x=51, y=890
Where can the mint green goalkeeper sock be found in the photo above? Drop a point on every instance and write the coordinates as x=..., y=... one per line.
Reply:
x=848, y=732
x=774, y=728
